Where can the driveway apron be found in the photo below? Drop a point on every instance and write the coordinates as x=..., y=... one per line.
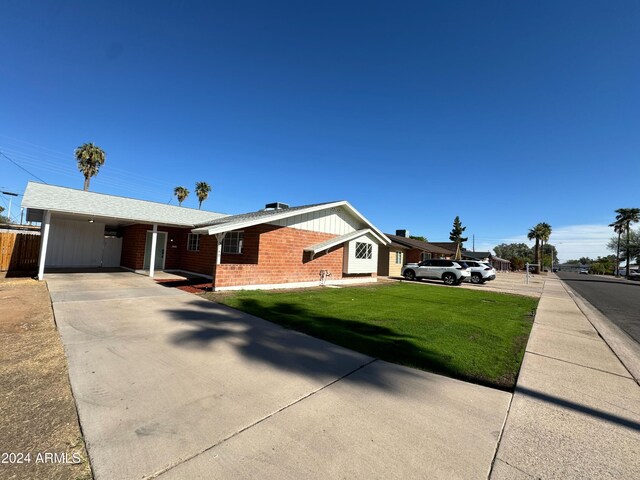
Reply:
x=171, y=386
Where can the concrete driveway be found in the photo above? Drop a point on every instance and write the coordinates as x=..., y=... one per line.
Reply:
x=171, y=386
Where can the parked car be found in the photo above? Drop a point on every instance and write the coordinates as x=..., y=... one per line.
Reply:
x=584, y=271
x=634, y=274
x=451, y=272
x=480, y=271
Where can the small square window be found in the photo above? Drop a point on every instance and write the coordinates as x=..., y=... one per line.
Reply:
x=232, y=242
x=364, y=250
x=425, y=256
x=193, y=242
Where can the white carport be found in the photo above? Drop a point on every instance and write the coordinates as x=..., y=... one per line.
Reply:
x=79, y=228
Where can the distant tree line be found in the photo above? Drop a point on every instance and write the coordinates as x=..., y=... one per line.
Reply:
x=519, y=254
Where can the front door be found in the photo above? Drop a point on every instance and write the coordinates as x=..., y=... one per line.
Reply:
x=161, y=246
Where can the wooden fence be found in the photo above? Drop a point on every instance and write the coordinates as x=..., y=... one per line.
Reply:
x=19, y=252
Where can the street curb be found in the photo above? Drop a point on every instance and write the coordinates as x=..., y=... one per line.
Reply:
x=620, y=343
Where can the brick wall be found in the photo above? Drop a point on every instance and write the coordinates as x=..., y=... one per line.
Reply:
x=271, y=255
x=413, y=255
x=133, y=241
x=133, y=245
x=281, y=258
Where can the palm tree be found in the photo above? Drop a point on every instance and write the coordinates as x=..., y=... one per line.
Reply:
x=627, y=216
x=181, y=193
x=536, y=233
x=618, y=228
x=545, y=229
x=90, y=158
x=202, y=191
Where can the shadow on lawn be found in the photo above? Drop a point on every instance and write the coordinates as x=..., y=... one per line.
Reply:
x=262, y=342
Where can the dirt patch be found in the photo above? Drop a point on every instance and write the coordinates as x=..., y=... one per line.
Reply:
x=188, y=285
x=36, y=405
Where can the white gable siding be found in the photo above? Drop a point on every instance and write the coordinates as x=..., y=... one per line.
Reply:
x=351, y=264
x=333, y=220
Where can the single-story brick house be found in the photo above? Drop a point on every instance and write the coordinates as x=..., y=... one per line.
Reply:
x=276, y=247
x=403, y=250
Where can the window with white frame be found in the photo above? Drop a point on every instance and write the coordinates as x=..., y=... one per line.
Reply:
x=425, y=256
x=193, y=242
x=398, y=258
x=364, y=250
x=232, y=242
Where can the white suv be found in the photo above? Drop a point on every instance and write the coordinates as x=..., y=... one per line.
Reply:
x=451, y=272
x=481, y=271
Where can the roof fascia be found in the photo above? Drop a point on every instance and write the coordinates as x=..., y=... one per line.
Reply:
x=114, y=218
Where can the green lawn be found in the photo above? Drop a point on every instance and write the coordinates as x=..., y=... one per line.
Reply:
x=472, y=335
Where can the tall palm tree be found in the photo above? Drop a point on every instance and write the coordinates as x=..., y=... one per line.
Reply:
x=627, y=216
x=90, y=158
x=618, y=227
x=536, y=233
x=545, y=230
x=181, y=193
x=202, y=191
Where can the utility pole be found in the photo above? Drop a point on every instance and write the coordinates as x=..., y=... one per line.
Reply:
x=11, y=195
x=473, y=239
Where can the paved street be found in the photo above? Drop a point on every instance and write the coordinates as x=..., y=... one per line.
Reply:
x=618, y=300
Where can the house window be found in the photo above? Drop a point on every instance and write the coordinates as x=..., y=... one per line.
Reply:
x=425, y=256
x=364, y=250
x=232, y=242
x=193, y=242
x=398, y=258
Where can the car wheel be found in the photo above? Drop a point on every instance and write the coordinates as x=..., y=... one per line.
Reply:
x=449, y=278
x=410, y=275
x=476, y=278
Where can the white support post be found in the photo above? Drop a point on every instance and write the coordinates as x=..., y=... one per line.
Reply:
x=44, y=240
x=152, y=259
x=219, y=238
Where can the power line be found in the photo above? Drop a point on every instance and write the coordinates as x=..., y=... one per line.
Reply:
x=21, y=167
x=112, y=176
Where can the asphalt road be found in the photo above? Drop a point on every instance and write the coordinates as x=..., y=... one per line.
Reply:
x=617, y=299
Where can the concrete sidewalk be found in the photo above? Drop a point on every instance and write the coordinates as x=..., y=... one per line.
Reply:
x=576, y=409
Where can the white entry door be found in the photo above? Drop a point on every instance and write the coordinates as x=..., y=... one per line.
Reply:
x=161, y=249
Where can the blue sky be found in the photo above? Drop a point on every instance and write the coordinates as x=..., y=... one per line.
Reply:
x=504, y=113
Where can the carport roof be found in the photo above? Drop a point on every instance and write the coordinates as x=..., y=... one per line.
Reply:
x=39, y=197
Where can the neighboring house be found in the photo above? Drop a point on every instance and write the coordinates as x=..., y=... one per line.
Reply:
x=406, y=250
x=270, y=248
x=391, y=258
x=479, y=256
x=500, y=264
